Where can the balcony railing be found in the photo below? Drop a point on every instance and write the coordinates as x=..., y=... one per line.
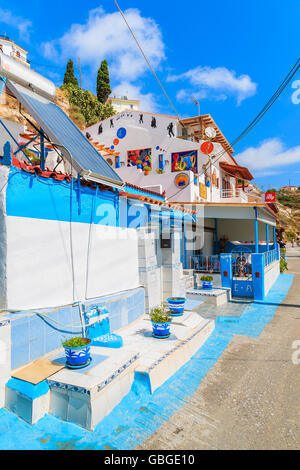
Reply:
x=233, y=194
x=205, y=263
x=270, y=257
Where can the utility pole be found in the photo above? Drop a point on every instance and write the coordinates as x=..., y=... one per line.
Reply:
x=80, y=73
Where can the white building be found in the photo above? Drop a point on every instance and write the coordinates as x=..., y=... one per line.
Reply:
x=170, y=152
x=123, y=103
x=9, y=47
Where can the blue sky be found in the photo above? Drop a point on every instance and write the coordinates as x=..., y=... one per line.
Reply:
x=232, y=55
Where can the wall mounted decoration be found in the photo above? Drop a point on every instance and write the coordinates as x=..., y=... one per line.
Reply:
x=161, y=163
x=111, y=123
x=206, y=147
x=181, y=180
x=182, y=161
x=141, y=120
x=203, y=190
x=153, y=122
x=116, y=141
x=100, y=129
x=121, y=132
x=170, y=129
x=140, y=158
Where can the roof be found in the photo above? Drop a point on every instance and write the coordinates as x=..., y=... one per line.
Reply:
x=5, y=38
x=81, y=154
x=150, y=200
x=207, y=121
x=140, y=189
x=236, y=170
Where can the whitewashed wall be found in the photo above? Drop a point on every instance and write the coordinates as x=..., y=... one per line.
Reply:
x=271, y=274
x=39, y=267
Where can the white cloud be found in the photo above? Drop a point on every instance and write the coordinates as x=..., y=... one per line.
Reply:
x=148, y=102
x=269, y=154
x=105, y=35
x=22, y=25
x=221, y=81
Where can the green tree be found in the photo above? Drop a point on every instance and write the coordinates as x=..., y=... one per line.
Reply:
x=69, y=77
x=103, y=86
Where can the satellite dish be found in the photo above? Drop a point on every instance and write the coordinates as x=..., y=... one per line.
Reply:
x=210, y=132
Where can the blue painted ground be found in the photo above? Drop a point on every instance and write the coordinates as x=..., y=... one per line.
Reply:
x=140, y=414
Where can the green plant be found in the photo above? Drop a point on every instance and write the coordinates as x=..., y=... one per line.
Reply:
x=160, y=171
x=147, y=168
x=69, y=77
x=207, y=278
x=103, y=86
x=86, y=106
x=160, y=315
x=283, y=265
x=75, y=342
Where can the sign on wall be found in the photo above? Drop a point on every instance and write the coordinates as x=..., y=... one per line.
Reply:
x=140, y=158
x=270, y=197
x=183, y=161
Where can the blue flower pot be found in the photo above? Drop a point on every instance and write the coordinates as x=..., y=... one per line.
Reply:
x=207, y=284
x=176, y=306
x=161, y=329
x=80, y=355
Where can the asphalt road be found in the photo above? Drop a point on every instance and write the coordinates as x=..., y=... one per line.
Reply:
x=250, y=399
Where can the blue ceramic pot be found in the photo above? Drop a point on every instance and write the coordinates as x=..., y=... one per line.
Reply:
x=80, y=355
x=161, y=329
x=176, y=305
x=207, y=284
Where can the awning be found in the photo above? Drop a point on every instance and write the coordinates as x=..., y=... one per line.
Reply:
x=238, y=171
x=69, y=139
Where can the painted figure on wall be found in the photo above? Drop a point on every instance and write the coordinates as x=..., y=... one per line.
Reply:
x=153, y=122
x=111, y=123
x=140, y=158
x=170, y=129
x=100, y=129
x=182, y=161
x=141, y=121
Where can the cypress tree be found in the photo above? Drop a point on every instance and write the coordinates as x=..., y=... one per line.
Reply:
x=69, y=76
x=103, y=86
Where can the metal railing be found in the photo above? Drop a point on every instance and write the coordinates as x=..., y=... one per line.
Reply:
x=205, y=263
x=270, y=257
x=233, y=193
x=242, y=265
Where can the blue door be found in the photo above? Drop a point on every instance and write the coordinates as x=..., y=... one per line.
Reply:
x=242, y=282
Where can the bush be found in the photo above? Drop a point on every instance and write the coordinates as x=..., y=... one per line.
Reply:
x=283, y=265
x=87, y=105
x=207, y=278
x=75, y=342
x=160, y=315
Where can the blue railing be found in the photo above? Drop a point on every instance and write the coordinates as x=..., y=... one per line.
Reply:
x=270, y=257
x=205, y=263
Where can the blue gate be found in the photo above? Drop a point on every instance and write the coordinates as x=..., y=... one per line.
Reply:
x=242, y=281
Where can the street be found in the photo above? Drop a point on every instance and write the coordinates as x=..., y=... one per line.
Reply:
x=250, y=398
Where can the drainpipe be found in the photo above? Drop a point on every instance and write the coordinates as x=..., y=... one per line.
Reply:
x=256, y=230
x=42, y=149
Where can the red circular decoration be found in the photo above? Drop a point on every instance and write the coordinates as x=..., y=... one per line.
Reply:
x=116, y=141
x=207, y=147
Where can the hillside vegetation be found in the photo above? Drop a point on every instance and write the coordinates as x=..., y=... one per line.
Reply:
x=289, y=211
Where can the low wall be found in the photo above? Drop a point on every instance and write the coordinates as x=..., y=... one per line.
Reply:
x=271, y=273
x=27, y=336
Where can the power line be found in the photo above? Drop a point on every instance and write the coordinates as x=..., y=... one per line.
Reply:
x=146, y=59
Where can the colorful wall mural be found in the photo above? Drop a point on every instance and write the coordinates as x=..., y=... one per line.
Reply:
x=182, y=161
x=140, y=158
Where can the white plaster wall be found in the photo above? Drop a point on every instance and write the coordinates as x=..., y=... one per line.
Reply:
x=39, y=267
x=242, y=230
x=271, y=274
x=4, y=171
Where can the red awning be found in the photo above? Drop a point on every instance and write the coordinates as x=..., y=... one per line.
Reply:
x=238, y=171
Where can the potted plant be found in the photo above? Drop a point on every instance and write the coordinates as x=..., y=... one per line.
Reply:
x=147, y=170
x=161, y=322
x=207, y=282
x=176, y=306
x=77, y=351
